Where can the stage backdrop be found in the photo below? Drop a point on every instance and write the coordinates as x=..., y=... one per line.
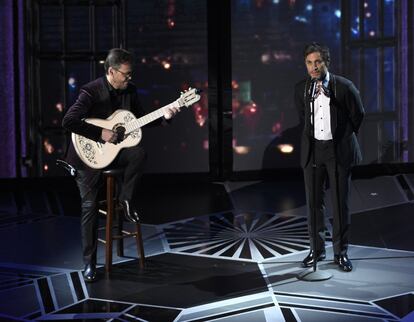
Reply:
x=67, y=41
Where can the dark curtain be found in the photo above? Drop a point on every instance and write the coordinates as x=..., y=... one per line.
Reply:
x=12, y=97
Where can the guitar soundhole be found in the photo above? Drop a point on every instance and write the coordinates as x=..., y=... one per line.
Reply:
x=120, y=130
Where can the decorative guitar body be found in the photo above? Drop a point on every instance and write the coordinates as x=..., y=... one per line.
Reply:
x=98, y=155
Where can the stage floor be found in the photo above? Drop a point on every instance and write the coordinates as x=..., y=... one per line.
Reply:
x=220, y=252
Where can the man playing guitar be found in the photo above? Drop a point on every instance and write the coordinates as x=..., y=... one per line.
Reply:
x=100, y=99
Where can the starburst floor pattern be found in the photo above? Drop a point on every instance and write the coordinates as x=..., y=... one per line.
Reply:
x=248, y=236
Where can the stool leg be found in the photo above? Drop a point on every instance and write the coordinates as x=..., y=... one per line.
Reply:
x=120, y=243
x=140, y=246
x=109, y=219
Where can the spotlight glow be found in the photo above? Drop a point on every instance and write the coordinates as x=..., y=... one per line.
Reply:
x=59, y=107
x=170, y=23
x=72, y=82
x=166, y=65
x=240, y=149
x=301, y=19
x=49, y=149
x=234, y=84
x=285, y=148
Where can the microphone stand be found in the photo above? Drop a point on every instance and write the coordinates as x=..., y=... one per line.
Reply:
x=313, y=275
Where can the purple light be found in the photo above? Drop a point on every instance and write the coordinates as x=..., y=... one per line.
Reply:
x=7, y=94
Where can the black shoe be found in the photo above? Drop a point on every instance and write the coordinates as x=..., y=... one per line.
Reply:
x=89, y=274
x=130, y=213
x=308, y=261
x=343, y=262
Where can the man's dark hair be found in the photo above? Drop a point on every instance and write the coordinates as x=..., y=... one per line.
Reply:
x=116, y=57
x=316, y=47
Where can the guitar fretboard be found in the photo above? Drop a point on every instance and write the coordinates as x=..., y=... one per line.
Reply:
x=144, y=120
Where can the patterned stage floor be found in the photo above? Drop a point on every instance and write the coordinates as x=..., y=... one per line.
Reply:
x=235, y=259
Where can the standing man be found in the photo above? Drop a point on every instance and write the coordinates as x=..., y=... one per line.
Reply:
x=338, y=117
x=99, y=99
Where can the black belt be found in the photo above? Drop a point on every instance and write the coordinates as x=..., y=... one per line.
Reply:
x=323, y=141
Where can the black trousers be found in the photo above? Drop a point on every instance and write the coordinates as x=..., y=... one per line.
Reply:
x=89, y=181
x=339, y=181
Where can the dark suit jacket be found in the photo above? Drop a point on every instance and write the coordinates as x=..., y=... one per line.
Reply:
x=94, y=101
x=347, y=113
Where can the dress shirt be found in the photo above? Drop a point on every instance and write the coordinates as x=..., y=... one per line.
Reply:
x=323, y=111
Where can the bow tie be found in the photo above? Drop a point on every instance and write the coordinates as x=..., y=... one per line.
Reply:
x=322, y=89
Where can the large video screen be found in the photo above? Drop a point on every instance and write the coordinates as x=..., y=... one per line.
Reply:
x=169, y=40
x=268, y=38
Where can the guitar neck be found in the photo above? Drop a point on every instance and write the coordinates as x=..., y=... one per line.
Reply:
x=146, y=119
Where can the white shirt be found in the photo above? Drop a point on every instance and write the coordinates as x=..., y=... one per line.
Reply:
x=323, y=114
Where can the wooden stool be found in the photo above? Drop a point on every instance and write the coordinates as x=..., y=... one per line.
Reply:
x=109, y=210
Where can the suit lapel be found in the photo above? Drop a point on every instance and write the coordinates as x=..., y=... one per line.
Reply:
x=308, y=114
x=332, y=104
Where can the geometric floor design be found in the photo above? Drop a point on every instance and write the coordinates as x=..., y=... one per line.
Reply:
x=398, y=305
x=379, y=287
x=306, y=306
x=31, y=293
x=226, y=266
x=104, y=310
x=248, y=236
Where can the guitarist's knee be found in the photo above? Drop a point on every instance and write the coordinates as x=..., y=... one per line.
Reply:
x=135, y=154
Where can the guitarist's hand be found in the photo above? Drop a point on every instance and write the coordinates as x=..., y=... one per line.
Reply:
x=169, y=113
x=109, y=136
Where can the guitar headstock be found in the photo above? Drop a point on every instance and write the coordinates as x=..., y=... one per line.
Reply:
x=189, y=97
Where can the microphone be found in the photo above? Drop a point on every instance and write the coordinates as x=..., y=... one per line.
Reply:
x=312, y=88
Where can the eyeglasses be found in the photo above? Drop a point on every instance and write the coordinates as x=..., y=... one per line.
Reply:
x=126, y=75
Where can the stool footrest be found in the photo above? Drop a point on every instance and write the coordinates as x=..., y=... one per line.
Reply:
x=124, y=236
x=104, y=228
